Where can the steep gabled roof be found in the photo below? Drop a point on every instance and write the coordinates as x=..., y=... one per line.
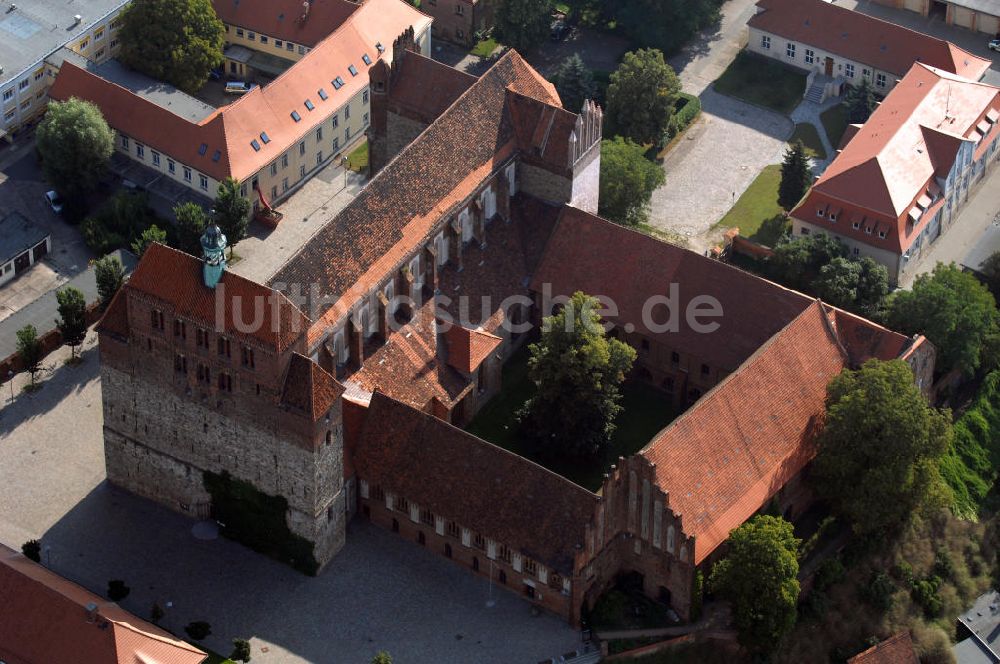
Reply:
x=589, y=254
x=354, y=251
x=45, y=618
x=175, y=278
x=468, y=348
x=309, y=388
x=483, y=487
x=862, y=38
x=888, y=173
x=286, y=19
x=729, y=453
x=227, y=134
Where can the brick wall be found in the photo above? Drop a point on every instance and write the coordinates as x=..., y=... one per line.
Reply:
x=544, y=184
x=435, y=538
x=50, y=340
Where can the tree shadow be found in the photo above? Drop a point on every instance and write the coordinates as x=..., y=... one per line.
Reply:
x=771, y=230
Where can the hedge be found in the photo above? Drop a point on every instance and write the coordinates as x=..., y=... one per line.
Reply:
x=686, y=109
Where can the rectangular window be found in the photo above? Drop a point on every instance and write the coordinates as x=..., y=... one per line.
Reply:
x=252, y=36
x=156, y=319
x=319, y=157
x=201, y=338
x=302, y=50
x=239, y=32
x=302, y=170
x=530, y=567
x=84, y=44
x=401, y=504
x=479, y=542
x=426, y=517
x=156, y=157
x=880, y=80
x=867, y=73
x=302, y=148
x=364, y=118
x=810, y=56
x=263, y=39
x=364, y=97
x=180, y=364
x=203, y=182
x=99, y=35
x=765, y=42
x=675, y=357
x=180, y=329
x=319, y=134
x=459, y=9
x=336, y=145
x=39, y=74
x=347, y=112
x=204, y=375
x=284, y=161
x=9, y=92
x=454, y=530
x=114, y=43
x=336, y=121
x=278, y=43
x=274, y=169
x=274, y=191
x=222, y=345
x=140, y=150
x=25, y=104
x=9, y=114
x=225, y=382
x=790, y=50
x=353, y=70
x=284, y=184
x=849, y=70
x=187, y=174
x=289, y=46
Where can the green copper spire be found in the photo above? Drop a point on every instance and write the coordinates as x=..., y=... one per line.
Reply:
x=213, y=249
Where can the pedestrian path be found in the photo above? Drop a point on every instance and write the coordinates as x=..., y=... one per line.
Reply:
x=810, y=113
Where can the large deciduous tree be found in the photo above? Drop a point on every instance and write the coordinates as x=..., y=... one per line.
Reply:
x=574, y=83
x=797, y=262
x=952, y=309
x=177, y=41
x=72, y=321
x=641, y=96
x=232, y=212
x=577, y=371
x=859, y=286
x=75, y=145
x=880, y=447
x=796, y=176
x=759, y=576
x=152, y=234
x=523, y=24
x=628, y=180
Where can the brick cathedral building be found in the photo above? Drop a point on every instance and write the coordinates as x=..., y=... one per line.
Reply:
x=346, y=398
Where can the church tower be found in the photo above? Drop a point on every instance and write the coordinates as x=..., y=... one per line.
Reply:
x=213, y=249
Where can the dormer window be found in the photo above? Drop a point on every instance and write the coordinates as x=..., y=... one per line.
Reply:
x=367, y=60
x=820, y=212
x=378, y=45
x=881, y=235
x=856, y=225
x=833, y=216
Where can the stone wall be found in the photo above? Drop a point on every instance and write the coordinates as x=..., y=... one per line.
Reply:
x=543, y=184
x=159, y=439
x=586, y=185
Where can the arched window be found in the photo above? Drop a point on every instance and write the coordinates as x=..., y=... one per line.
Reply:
x=684, y=553
x=670, y=539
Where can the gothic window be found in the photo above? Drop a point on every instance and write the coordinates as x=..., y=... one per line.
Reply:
x=454, y=530
x=204, y=375
x=670, y=539
x=427, y=517
x=555, y=581
x=223, y=346
x=180, y=364
x=202, y=338
x=479, y=542
x=402, y=505
x=225, y=382
x=441, y=243
x=156, y=318
x=378, y=494
x=504, y=553
x=180, y=329
x=329, y=437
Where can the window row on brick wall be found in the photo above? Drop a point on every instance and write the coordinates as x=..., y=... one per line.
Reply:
x=202, y=339
x=495, y=551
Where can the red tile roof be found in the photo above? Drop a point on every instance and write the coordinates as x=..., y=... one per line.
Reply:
x=467, y=349
x=309, y=388
x=427, y=86
x=373, y=235
x=174, y=277
x=862, y=38
x=408, y=367
x=892, y=162
x=115, y=318
x=230, y=129
x=589, y=254
x=897, y=649
x=482, y=487
x=864, y=339
x=745, y=439
x=44, y=618
x=285, y=19
x=354, y=414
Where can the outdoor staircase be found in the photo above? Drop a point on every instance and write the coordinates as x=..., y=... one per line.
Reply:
x=815, y=92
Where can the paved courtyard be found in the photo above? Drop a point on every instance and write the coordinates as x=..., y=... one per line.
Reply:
x=379, y=593
x=320, y=199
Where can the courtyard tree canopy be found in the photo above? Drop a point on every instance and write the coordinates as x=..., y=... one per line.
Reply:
x=177, y=41
x=578, y=372
x=523, y=24
x=796, y=175
x=880, y=447
x=72, y=321
x=110, y=275
x=232, y=212
x=574, y=83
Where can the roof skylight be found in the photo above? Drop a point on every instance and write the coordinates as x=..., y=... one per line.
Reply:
x=255, y=145
x=367, y=60
x=353, y=70
x=322, y=94
x=202, y=149
x=296, y=116
x=309, y=104
x=264, y=137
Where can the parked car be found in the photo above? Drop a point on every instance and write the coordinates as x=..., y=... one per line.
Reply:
x=560, y=30
x=52, y=198
x=239, y=87
x=994, y=45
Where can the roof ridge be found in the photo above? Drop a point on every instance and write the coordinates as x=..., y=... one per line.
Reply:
x=176, y=642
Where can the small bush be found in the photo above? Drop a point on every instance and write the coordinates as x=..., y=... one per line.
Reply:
x=686, y=109
x=117, y=590
x=32, y=550
x=879, y=591
x=903, y=572
x=241, y=650
x=830, y=572
x=943, y=565
x=198, y=629
x=925, y=593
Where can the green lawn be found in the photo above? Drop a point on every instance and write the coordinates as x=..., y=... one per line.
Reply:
x=646, y=412
x=763, y=82
x=807, y=133
x=484, y=47
x=757, y=213
x=835, y=122
x=358, y=159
